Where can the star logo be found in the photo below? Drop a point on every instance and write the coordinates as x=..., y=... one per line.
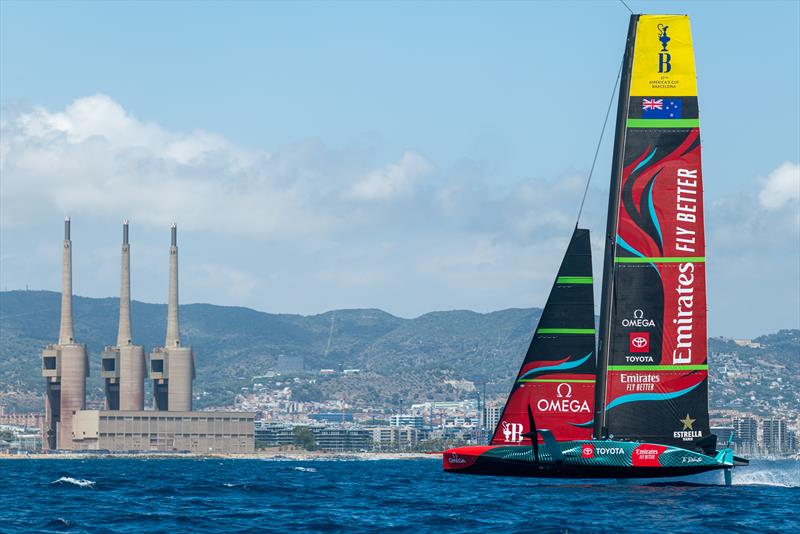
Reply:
x=688, y=422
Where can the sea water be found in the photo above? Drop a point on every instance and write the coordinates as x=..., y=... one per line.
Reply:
x=214, y=495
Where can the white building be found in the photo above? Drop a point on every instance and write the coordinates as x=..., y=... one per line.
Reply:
x=413, y=421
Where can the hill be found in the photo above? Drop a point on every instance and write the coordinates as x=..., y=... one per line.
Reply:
x=408, y=358
x=402, y=360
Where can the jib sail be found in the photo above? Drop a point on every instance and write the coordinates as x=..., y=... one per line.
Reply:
x=557, y=377
x=652, y=342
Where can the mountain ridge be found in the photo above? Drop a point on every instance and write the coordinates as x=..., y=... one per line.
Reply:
x=248, y=342
x=402, y=360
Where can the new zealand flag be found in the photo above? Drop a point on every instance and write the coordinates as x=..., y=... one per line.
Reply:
x=661, y=108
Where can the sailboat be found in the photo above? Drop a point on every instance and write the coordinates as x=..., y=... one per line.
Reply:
x=630, y=400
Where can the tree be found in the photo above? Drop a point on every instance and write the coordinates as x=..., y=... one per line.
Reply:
x=304, y=437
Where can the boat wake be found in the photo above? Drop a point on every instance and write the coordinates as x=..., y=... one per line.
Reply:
x=306, y=469
x=83, y=483
x=784, y=478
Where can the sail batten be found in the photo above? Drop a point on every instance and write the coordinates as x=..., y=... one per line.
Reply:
x=653, y=368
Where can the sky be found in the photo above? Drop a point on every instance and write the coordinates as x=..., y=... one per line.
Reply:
x=405, y=156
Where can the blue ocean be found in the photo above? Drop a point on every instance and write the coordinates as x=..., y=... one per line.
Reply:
x=214, y=495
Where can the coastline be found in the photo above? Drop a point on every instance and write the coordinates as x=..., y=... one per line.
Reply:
x=261, y=455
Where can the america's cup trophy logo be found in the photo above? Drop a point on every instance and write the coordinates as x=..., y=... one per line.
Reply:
x=664, y=57
x=662, y=36
x=512, y=432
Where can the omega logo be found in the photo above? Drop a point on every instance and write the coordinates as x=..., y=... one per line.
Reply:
x=638, y=320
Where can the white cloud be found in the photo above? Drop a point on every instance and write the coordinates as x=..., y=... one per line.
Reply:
x=738, y=225
x=396, y=179
x=97, y=159
x=404, y=235
x=782, y=187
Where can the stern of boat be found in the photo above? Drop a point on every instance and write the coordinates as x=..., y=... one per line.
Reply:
x=462, y=458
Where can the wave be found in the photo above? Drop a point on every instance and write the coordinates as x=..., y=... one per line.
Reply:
x=784, y=478
x=59, y=523
x=82, y=482
x=306, y=469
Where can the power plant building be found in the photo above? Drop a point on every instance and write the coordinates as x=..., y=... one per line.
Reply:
x=65, y=366
x=197, y=432
x=125, y=425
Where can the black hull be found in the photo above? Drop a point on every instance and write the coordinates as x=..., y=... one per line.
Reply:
x=498, y=467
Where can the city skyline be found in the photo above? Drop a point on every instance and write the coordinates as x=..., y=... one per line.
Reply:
x=311, y=172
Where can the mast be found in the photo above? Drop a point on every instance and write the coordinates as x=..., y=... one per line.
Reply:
x=606, y=300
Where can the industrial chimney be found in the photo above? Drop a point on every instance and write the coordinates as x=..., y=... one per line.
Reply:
x=65, y=366
x=172, y=366
x=123, y=365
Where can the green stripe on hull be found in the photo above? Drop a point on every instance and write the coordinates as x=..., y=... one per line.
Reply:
x=662, y=259
x=574, y=280
x=575, y=381
x=698, y=367
x=663, y=123
x=565, y=331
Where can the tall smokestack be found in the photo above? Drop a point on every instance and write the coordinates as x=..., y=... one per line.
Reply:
x=124, y=364
x=172, y=366
x=65, y=334
x=64, y=365
x=124, y=331
x=173, y=334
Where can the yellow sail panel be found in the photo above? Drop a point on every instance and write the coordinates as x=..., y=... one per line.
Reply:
x=663, y=58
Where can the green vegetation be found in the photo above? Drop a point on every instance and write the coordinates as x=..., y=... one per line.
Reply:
x=304, y=438
x=401, y=361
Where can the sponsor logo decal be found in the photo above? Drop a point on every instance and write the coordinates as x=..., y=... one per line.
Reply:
x=687, y=433
x=565, y=403
x=456, y=459
x=691, y=460
x=638, y=320
x=639, y=342
x=609, y=450
x=639, y=381
x=512, y=432
x=685, y=241
x=639, y=358
x=646, y=455
x=590, y=451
